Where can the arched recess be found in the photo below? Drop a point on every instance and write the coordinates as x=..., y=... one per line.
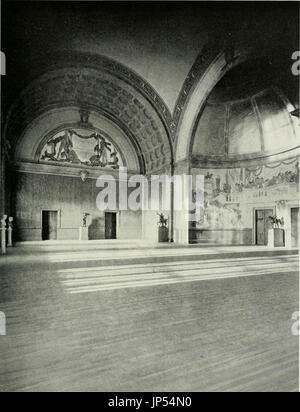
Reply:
x=211, y=65
x=102, y=86
x=33, y=139
x=209, y=69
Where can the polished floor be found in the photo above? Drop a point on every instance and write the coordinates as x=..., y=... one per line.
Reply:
x=120, y=317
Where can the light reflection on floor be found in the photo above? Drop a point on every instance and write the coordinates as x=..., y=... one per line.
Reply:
x=84, y=326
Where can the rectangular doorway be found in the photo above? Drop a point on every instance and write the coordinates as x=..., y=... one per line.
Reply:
x=295, y=226
x=110, y=225
x=49, y=225
x=262, y=225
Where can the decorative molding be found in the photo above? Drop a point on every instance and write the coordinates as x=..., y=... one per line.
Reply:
x=206, y=56
x=84, y=175
x=209, y=68
x=46, y=168
x=84, y=118
x=220, y=162
x=61, y=59
x=89, y=89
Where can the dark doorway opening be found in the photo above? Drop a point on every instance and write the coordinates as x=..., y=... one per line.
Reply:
x=262, y=225
x=295, y=226
x=110, y=225
x=49, y=225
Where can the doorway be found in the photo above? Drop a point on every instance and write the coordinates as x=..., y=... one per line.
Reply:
x=295, y=226
x=110, y=225
x=262, y=224
x=49, y=225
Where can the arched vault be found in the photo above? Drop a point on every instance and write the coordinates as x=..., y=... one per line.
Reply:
x=212, y=64
x=104, y=87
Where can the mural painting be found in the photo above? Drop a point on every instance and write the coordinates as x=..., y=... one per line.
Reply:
x=231, y=194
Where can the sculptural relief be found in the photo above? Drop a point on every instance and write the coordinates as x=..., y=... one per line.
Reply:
x=72, y=146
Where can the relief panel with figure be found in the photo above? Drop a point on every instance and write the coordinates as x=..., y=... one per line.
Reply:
x=78, y=147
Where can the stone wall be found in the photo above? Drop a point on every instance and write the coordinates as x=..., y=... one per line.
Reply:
x=70, y=197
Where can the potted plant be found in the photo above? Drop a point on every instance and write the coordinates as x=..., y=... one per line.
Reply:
x=276, y=236
x=163, y=231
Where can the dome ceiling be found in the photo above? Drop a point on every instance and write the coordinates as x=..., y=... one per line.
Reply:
x=247, y=115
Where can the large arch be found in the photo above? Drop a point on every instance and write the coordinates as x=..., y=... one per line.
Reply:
x=117, y=102
x=212, y=64
x=99, y=84
x=36, y=135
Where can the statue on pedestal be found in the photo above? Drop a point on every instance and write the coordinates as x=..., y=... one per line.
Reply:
x=3, y=221
x=85, y=216
x=163, y=222
x=10, y=229
x=3, y=234
x=276, y=221
x=84, y=230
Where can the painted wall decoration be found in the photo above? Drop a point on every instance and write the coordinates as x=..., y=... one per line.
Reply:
x=231, y=194
x=78, y=147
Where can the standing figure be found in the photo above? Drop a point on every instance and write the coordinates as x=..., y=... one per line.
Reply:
x=50, y=152
x=101, y=148
x=85, y=216
x=114, y=160
x=65, y=145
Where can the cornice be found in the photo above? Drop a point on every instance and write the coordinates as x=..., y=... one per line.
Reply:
x=49, y=168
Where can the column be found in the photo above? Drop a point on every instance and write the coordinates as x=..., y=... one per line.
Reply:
x=2, y=176
x=181, y=223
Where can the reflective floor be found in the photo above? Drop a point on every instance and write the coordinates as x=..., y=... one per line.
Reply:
x=148, y=319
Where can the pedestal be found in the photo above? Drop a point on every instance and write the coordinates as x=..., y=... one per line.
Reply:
x=9, y=237
x=163, y=234
x=3, y=240
x=276, y=237
x=3, y=234
x=287, y=238
x=83, y=233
